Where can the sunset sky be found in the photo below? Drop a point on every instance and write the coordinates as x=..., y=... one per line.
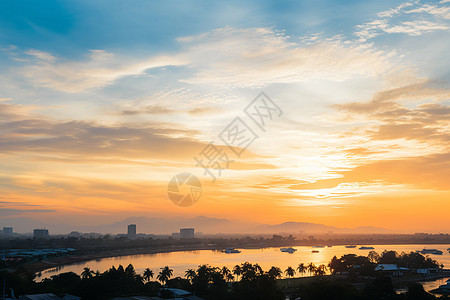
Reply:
x=103, y=102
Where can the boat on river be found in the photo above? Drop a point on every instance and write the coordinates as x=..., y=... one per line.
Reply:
x=431, y=251
x=231, y=250
x=351, y=246
x=289, y=250
x=315, y=251
x=366, y=248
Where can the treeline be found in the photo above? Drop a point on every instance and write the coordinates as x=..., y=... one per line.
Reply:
x=244, y=281
x=365, y=265
x=206, y=281
x=110, y=242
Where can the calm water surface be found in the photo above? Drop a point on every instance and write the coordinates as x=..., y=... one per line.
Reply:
x=266, y=258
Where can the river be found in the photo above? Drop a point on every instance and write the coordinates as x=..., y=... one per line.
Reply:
x=265, y=257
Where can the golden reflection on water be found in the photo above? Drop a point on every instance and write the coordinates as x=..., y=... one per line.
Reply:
x=266, y=258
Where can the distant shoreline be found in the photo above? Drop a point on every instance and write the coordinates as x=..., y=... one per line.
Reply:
x=43, y=265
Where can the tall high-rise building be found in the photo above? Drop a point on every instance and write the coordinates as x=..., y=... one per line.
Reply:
x=7, y=231
x=131, y=234
x=186, y=233
x=40, y=233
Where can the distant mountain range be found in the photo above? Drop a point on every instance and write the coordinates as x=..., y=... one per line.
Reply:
x=202, y=224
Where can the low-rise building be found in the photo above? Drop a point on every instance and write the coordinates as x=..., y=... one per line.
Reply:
x=391, y=270
x=7, y=231
x=40, y=233
x=187, y=233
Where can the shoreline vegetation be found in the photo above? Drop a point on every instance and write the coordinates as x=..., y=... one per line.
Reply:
x=341, y=278
x=55, y=262
x=351, y=277
x=104, y=246
x=85, y=256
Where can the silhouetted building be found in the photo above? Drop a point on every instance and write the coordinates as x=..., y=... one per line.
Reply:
x=7, y=231
x=40, y=233
x=131, y=234
x=186, y=233
x=175, y=235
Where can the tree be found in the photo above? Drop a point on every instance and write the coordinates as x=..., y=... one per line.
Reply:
x=225, y=271
x=289, y=272
x=335, y=265
x=389, y=257
x=275, y=273
x=373, y=256
x=230, y=277
x=129, y=271
x=311, y=268
x=148, y=274
x=320, y=270
x=249, y=271
x=87, y=273
x=258, y=269
x=301, y=268
x=203, y=279
x=165, y=274
x=237, y=270
x=190, y=274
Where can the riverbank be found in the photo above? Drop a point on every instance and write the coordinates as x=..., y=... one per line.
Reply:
x=35, y=267
x=304, y=254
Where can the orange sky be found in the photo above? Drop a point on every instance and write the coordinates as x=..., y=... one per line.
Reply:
x=363, y=139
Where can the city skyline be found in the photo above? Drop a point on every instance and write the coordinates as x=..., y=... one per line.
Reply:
x=103, y=103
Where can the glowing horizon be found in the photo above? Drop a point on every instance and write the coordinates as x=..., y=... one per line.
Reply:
x=101, y=105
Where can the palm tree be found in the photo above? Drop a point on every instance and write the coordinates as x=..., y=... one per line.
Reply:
x=190, y=274
x=258, y=269
x=225, y=271
x=237, y=270
x=275, y=272
x=165, y=274
x=230, y=277
x=373, y=256
x=87, y=273
x=129, y=271
x=311, y=268
x=301, y=268
x=289, y=272
x=148, y=274
x=320, y=270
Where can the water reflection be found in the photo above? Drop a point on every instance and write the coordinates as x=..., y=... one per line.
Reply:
x=266, y=258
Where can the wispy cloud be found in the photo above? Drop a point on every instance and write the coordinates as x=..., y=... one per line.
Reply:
x=225, y=57
x=254, y=57
x=98, y=70
x=408, y=18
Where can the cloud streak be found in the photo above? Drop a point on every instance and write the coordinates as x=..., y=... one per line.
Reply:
x=408, y=18
x=100, y=69
x=254, y=57
x=225, y=57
